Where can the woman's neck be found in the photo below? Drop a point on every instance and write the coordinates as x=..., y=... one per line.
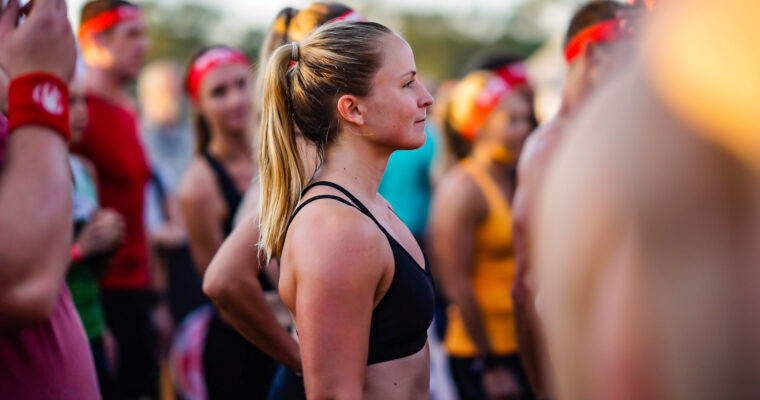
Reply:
x=230, y=146
x=355, y=164
x=493, y=158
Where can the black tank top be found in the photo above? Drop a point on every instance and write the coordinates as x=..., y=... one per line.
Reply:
x=401, y=318
x=232, y=197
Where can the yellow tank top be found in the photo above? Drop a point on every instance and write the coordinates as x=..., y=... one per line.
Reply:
x=492, y=275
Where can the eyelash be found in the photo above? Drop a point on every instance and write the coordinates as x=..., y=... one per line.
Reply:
x=409, y=84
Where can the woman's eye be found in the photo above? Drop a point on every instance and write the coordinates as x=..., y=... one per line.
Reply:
x=409, y=84
x=219, y=91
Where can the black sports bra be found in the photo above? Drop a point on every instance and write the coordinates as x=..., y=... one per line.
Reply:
x=233, y=198
x=401, y=318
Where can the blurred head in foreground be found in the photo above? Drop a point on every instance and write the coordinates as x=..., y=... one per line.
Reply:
x=648, y=288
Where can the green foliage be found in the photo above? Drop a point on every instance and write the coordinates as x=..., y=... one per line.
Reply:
x=441, y=51
x=178, y=32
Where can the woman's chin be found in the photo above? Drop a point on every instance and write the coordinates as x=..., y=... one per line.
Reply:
x=415, y=143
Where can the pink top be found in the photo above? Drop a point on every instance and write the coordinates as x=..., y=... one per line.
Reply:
x=51, y=360
x=3, y=136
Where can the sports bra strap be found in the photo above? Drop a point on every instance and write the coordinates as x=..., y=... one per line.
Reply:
x=324, y=196
x=358, y=204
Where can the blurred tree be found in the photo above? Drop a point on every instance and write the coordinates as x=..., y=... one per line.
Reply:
x=442, y=52
x=177, y=32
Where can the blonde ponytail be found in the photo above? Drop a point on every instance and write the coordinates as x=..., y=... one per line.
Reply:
x=281, y=171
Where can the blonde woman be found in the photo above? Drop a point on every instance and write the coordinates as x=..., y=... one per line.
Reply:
x=350, y=271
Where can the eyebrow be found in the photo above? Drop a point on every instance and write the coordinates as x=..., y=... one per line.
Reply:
x=412, y=72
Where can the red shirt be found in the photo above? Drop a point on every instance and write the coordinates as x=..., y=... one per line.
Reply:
x=111, y=141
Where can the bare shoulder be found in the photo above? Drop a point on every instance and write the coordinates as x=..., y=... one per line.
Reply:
x=538, y=148
x=197, y=182
x=331, y=240
x=458, y=186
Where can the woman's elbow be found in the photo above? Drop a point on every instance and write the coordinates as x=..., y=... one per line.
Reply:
x=215, y=286
x=29, y=304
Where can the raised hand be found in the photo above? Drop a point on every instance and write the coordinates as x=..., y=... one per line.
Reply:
x=43, y=42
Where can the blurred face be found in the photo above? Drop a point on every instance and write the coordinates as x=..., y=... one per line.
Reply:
x=127, y=44
x=159, y=93
x=225, y=98
x=510, y=124
x=396, y=107
x=78, y=116
x=590, y=68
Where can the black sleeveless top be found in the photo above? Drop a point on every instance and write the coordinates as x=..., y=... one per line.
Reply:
x=233, y=198
x=401, y=318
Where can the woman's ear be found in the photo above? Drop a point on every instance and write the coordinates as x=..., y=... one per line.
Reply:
x=350, y=110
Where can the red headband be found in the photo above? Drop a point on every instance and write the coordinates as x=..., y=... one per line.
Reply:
x=602, y=32
x=348, y=16
x=109, y=19
x=211, y=59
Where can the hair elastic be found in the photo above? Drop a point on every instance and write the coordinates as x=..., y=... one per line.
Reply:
x=294, y=51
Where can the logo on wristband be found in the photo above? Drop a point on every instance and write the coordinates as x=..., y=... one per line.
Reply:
x=49, y=98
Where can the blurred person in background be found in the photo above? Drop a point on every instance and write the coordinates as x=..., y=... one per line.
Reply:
x=98, y=232
x=44, y=353
x=493, y=112
x=649, y=288
x=113, y=39
x=230, y=280
x=219, y=87
x=168, y=137
x=170, y=144
x=590, y=57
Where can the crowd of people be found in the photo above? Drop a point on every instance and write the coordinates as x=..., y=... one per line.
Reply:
x=325, y=228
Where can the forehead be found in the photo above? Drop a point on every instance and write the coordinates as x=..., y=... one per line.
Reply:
x=223, y=74
x=126, y=27
x=398, y=58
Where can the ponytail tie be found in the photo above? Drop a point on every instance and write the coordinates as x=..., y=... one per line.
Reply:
x=294, y=50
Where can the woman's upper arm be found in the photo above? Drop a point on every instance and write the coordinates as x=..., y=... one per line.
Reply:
x=458, y=207
x=236, y=263
x=200, y=206
x=338, y=269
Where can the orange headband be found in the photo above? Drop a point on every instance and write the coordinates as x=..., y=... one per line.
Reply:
x=211, y=59
x=602, y=32
x=109, y=19
x=497, y=87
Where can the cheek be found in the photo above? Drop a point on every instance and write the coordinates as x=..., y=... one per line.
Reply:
x=213, y=109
